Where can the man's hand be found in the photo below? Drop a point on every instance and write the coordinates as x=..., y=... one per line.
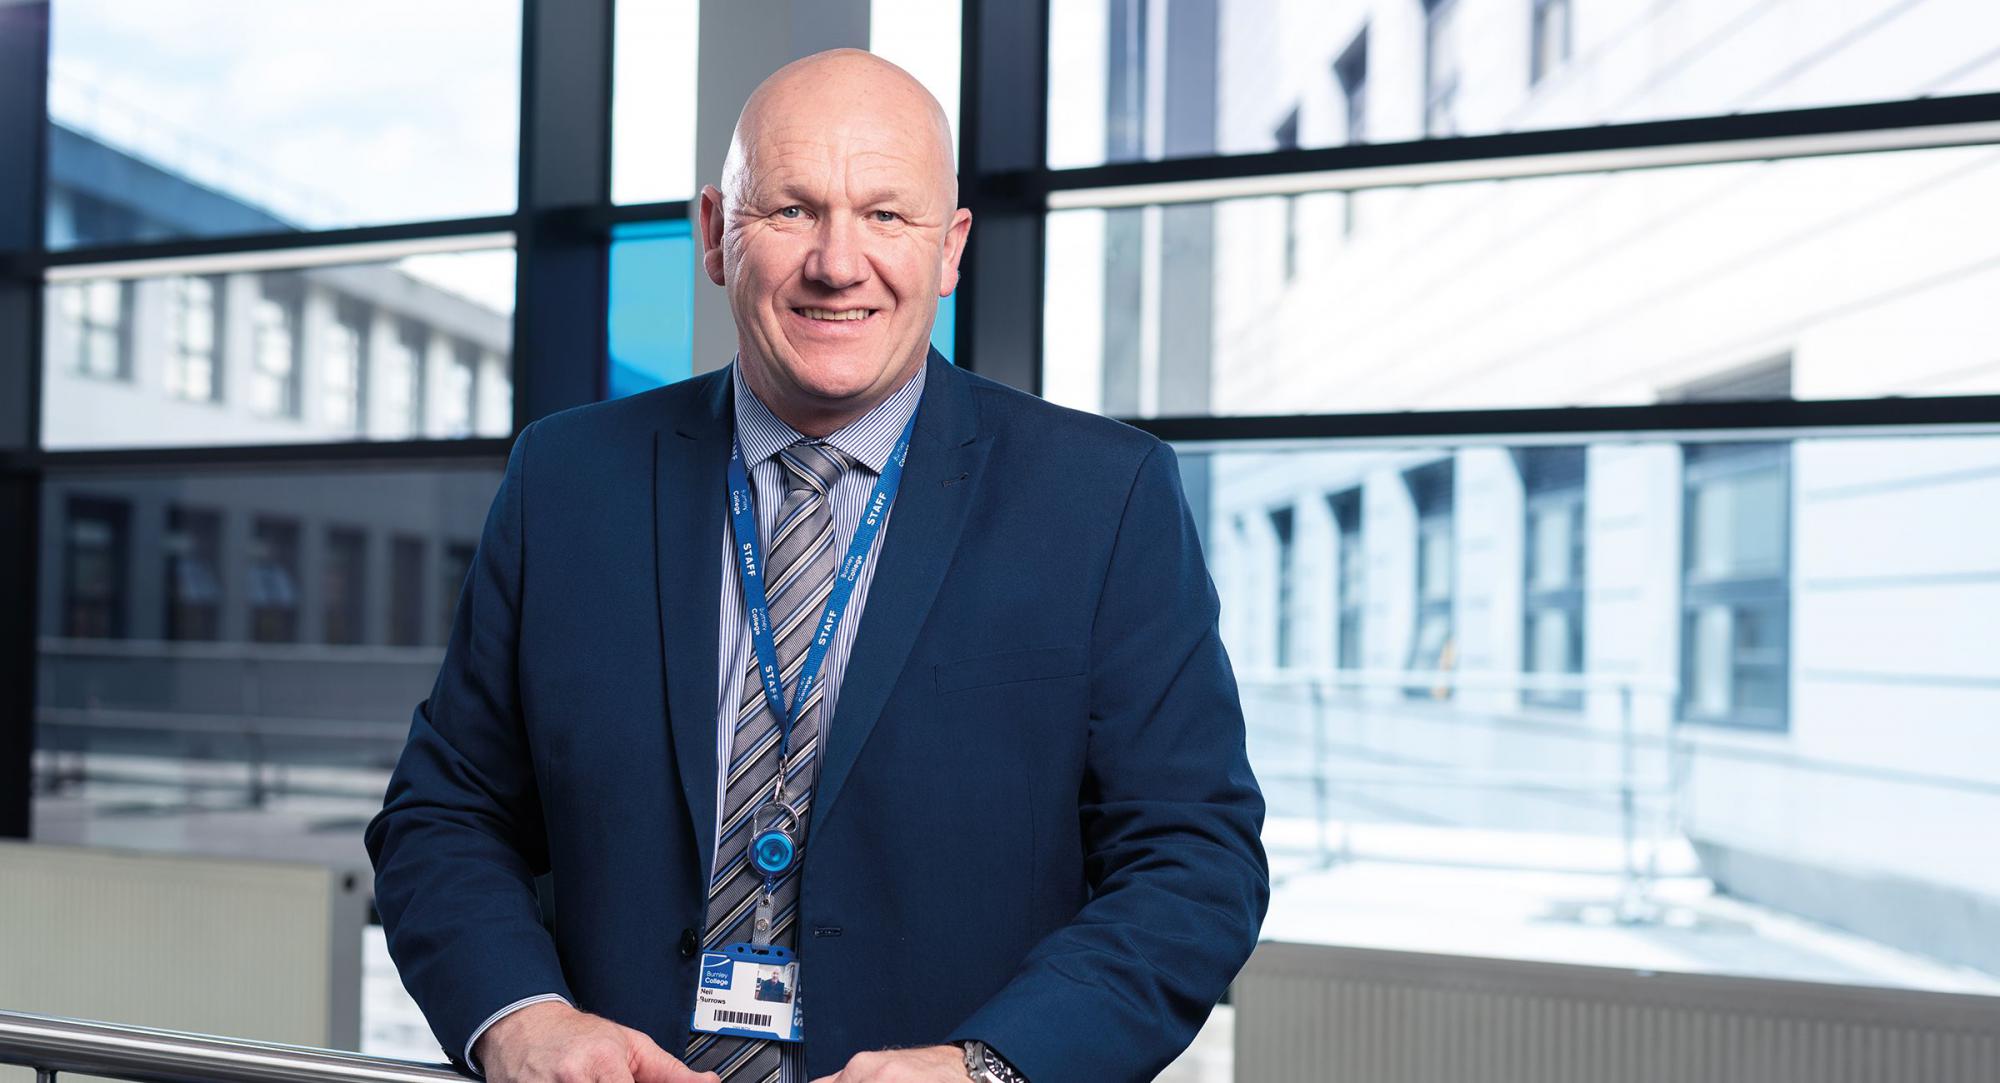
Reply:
x=930, y=1064
x=552, y=1042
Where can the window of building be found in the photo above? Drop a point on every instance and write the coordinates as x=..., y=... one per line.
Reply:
x=344, y=365
x=193, y=546
x=402, y=374
x=1735, y=602
x=1441, y=67
x=406, y=591
x=274, y=580
x=1287, y=137
x=1351, y=70
x=1285, y=649
x=1552, y=480
x=274, y=352
x=96, y=540
x=1350, y=584
x=457, y=564
x=1432, y=646
x=97, y=315
x=459, y=391
x=194, y=323
x=1550, y=39
x=346, y=583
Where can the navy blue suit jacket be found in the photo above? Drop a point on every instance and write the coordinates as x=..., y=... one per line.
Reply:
x=1035, y=823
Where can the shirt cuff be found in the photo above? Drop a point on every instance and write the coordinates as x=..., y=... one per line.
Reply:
x=499, y=1015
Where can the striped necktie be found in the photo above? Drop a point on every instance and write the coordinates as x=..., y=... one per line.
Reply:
x=799, y=576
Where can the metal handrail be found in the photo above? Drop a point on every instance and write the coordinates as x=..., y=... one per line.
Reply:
x=50, y=1044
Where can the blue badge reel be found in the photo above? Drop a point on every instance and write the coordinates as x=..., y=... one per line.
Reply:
x=749, y=991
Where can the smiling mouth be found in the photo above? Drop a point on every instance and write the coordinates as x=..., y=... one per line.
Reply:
x=836, y=315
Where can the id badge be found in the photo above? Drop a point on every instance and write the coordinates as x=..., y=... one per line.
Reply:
x=749, y=991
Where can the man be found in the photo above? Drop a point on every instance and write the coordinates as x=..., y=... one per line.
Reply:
x=1019, y=830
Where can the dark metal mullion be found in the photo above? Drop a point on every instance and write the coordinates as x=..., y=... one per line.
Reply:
x=1913, y=114
x=24, y=60
x=1747, y=417
x=1003, y=125
x=560, y=279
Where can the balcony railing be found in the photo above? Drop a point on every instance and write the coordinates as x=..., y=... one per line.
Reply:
x=50, y=1045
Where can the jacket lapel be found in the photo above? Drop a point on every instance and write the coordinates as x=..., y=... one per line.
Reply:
x=689, y=459
x=940, y=482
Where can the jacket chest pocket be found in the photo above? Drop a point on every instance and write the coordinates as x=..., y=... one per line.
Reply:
x=1010, y=667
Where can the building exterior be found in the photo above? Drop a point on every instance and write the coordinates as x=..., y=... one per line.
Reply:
x=1799, y=622
x=247, y=615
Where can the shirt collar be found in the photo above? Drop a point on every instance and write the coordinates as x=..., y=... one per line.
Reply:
x=868, y=439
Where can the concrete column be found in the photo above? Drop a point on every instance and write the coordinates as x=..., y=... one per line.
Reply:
x=742, y=42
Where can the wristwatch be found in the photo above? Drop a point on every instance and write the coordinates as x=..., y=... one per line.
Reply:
x=983, y=1065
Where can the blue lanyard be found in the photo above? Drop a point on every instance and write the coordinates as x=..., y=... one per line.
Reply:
x=750, y=568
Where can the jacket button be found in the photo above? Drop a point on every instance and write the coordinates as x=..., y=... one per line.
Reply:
x=689, y=943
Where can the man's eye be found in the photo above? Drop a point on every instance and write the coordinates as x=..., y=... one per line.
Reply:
x=792, y=212
x=885, y=216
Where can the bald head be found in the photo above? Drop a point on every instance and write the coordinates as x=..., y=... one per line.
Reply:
x=842, y=86
x=835, y=229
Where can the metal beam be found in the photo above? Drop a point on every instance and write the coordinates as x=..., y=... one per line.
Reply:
x=561, y=280
x=1003, y=136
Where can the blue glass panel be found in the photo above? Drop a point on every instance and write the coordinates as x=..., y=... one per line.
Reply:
x=946, y=327
x=652, y=307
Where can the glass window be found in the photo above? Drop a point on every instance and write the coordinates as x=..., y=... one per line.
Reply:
x=923, y=38
x=1736, y=628
x=91, y=332
x=458, y=391
x=1351, y=70
x=1433, y=646
x=217, y=117
x=1550, y=38
x=1137, y=80
x=1350, y=577
x=652, y=306
x=194, y=369
x=652, y=100
x=1552, y=483
x=406, y=591
x=274, y=347
x=358, y=336
x=96, y=545
x=193, y=548
x=1441, y=67
x=400, y=377
x=1507, y=827
x=1867, y=271
x=274, y=580
x=456, y=562
x=343, y=361
x=248, y=745
x=346, y=585
x=1284, y=612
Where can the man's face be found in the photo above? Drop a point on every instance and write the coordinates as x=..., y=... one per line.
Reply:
x=835, y=246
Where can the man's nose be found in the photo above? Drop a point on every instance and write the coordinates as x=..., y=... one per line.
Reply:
x=837, y=260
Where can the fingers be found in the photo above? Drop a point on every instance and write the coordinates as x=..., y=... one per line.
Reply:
x=651, y=1064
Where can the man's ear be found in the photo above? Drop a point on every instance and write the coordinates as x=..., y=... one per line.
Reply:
x=711, y=232
x=954, y=249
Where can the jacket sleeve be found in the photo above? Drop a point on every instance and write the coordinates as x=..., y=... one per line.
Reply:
x=460, y=836
x=1170, y=815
